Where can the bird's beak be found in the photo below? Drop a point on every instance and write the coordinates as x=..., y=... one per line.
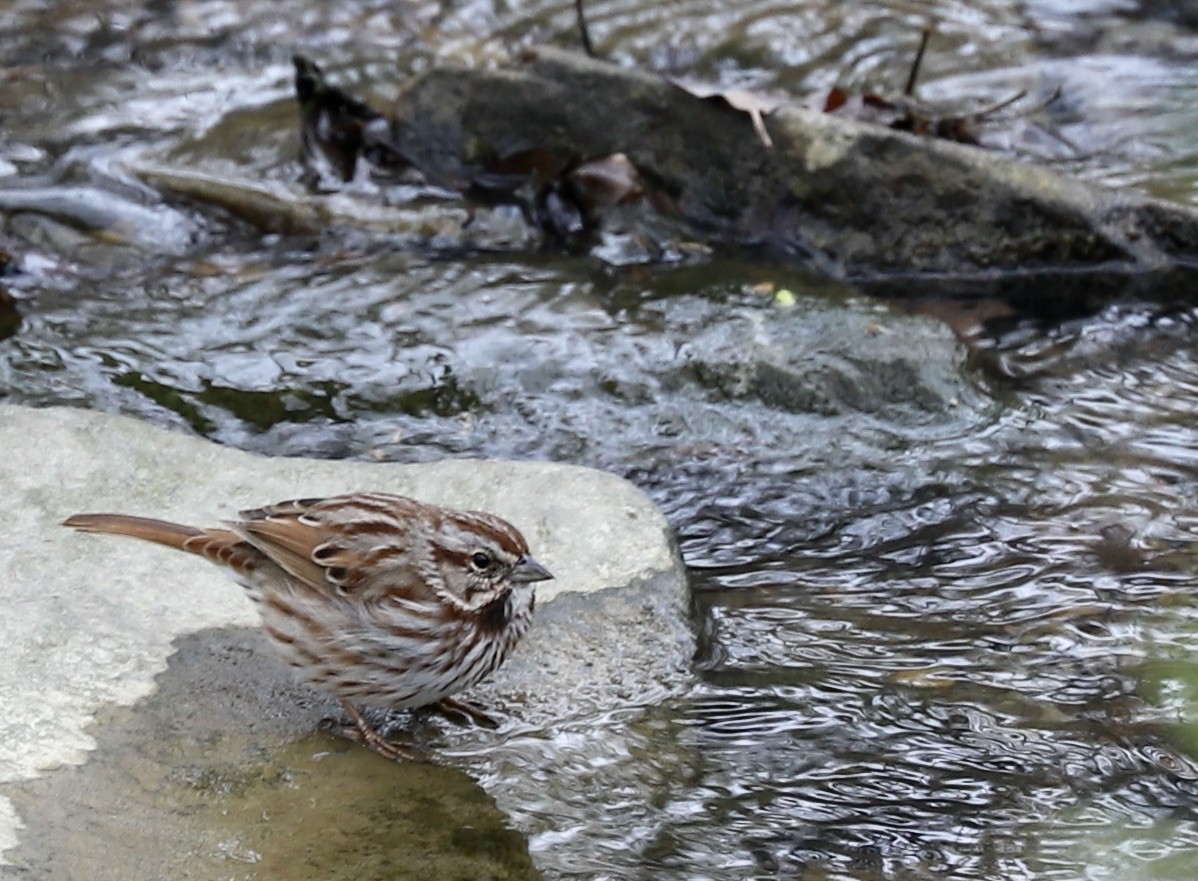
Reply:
x=528, y=570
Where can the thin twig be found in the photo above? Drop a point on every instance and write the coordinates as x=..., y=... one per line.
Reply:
x=1001, y=105
x=583, y=30
x=924, y=36
x=1043, y=105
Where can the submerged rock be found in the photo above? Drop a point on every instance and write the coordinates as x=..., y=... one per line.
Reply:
x=114, y=219
x=828, y=362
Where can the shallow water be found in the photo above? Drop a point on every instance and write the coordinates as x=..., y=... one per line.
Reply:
x=942, y=585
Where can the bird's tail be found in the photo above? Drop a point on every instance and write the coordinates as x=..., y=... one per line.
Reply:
x=221, y=546
x=173, y=535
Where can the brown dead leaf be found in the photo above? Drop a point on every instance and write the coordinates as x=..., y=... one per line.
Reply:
x=604, y=183
x=756, y=104
x=336, y=128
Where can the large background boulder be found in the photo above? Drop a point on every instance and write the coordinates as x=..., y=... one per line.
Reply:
x=882, y=207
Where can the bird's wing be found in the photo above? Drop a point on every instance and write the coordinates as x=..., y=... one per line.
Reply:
x=355, y=545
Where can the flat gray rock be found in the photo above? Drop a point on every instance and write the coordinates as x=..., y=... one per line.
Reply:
x=91, y=621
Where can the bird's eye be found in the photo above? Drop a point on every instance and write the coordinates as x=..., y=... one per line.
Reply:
x=480, y=560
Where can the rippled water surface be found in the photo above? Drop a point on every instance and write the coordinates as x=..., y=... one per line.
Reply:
x=942, y=581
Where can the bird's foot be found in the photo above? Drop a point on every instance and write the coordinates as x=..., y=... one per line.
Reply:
x=363, y=732
x=454, y=709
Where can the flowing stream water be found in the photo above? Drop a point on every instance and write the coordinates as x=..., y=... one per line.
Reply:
x=941, y=568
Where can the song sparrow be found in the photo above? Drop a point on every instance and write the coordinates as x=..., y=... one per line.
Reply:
x=382, y=600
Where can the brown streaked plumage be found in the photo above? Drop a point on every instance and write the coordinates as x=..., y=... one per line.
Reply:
x=381, y=600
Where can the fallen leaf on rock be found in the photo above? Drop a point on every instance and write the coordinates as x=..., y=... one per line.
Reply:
x=604, y=183
x=562, y=194
x=906, y=113
x=757, y=105
x=537, y=166
x=10, y=317
x=559, y=194
x=336, y=128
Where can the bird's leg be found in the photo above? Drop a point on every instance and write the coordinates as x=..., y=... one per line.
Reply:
x=449, y=706
x=369, y=736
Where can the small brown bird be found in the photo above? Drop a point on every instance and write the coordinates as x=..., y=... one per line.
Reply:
x=382, y=600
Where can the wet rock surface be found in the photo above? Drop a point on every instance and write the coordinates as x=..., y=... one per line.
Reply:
x=876, y=205
x=210, y=766
x=223, y=773
x=805, y=361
